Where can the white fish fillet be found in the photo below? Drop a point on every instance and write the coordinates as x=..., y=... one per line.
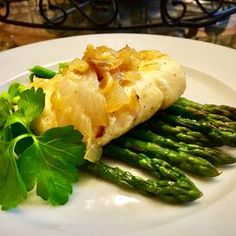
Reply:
x=109, y=92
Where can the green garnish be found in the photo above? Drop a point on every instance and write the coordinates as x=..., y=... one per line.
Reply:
x=63, y=66
x=48, y=162
x=4, y=110
x=51, y=163
x=12, y=187
x=41, y=72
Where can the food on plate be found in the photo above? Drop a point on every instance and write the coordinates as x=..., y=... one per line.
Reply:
x=213, y=155
x=108, y=92
x=171, y=185
x=125, y=102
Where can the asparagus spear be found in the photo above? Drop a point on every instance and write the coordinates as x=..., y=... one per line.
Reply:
x=180, y=159
x=222, y=110
x=41, y=72
x=181, y=133
x=166, y=190
x=161, y=169
x=217, y=134
x=199, y=114
x=213, y=155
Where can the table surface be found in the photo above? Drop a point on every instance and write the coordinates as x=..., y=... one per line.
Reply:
x=12, y=36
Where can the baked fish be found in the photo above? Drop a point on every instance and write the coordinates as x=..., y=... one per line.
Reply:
x=108, y=92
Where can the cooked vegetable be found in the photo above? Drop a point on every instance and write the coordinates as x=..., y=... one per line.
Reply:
x=226, y=136
x=180, y=159
x=41, y=72
x=182, y=133
x=213, y=155
x=222, y=110
x=159, y=168
x=218, y=121
x=166, y=190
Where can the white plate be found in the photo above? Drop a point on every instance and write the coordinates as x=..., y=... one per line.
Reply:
x=99, y=208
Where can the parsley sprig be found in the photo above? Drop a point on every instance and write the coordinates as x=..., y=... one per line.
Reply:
x=47, y=162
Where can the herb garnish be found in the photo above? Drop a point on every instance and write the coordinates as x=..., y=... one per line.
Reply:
x=48, y=162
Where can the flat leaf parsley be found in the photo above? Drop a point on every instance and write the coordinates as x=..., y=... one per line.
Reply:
x=48, y=162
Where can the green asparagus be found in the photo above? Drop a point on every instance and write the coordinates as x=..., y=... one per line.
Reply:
x=161, y=169
x=222, y=110
x=41, y=72
x=165, y=190
x=193, y=113
x=181, y=133
x=225, y=136
x=182, y=160
x=213, y=155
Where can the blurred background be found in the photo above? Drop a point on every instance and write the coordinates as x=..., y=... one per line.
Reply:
x=28, y=21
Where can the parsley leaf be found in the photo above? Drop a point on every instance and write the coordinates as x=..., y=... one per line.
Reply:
x=8, y=100
x=12, y=187
x=14, y=92
x=4, y=111
x=48, y=162
x=31, y=103
x=30, y=106
x=51, y=163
